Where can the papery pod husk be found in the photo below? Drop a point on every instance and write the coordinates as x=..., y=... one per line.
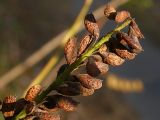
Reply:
x=8, y=107
x=112, y=59
x=95, y=68
x=135, y=28
x=30, y=108
x=80, y=89
x=20, y=105
x=122, y=16
x=110, y=12
x=91, y=25
x=67, y=103
x=85, y=42
x=125, y=54
x=33, y=92
x=70, y=50
x=68, y=91
x=89, y=81
x=47, y=116
x=132, y=42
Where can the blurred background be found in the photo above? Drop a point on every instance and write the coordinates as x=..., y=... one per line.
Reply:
x=25, y=26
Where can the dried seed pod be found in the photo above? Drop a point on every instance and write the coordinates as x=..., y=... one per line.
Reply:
x=20, y=105
x=132, y=42
x=30, y=107
x=85, y=42
x=47, y=116
x=70, y=50
x=91, y=25
x=102, y=49
x=85, y=91
x=69, y=91
x=122, y=16
x=80, y=89
x=135, y=29
x=95, y=68
x=125, y=54
x=89, y=82
x=33, y=92
x=8, y=107
x=110, y=12
x=67, y=103
x=112, y=59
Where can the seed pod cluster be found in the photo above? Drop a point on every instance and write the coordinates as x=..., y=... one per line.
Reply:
x=120, y=47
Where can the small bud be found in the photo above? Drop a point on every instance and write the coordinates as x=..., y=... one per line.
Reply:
x=89, y=82
x=110, y=12
x=8, y=107
x=91, y=25
x=67, y=103
x=137, y=31
x=47, y=116
x=125, y=54
x=85, y=42
x=122, y=16
x=113, y=59
x=33, y=92
x=95, y=68
x=70, y=50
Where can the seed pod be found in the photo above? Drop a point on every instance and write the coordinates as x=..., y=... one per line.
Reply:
x=20, y=105
x=47, y=116
x=89, y=82
x=113, y=59
x=69, y=91
x=125, y=54
x=110, y=12
x=122, y=16
x=132, y=42
x=70, y=50
x=91, y=25
x=67, y=103
x=102, y=49
x=86, y=92
x=95, y=68
x=33, y=92
x=137, y=31
x=8, y=107
x=85, y=42
x=30, y=107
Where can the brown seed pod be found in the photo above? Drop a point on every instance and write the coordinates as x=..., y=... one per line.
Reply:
x=80, y=89
x=8, y=107
x=91, y=25
x=70, y=50
x=102, y=49
x=67, y=103
x=132, y=42
x=125, y=54
x=68, y=90
x=112, y=59
x=85, y=42
x=33, y=92
x=47, y=116
x=95, y=68
x=20, y=105
x=134, y=29
x=89, y=82
x=122, y=16
x=110, y=12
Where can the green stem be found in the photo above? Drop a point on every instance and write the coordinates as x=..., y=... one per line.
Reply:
x=61, y=78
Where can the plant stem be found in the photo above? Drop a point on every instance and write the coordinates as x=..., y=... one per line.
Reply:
x=61, y=78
